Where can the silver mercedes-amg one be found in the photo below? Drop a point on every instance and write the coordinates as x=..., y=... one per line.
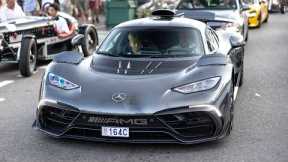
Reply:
x=162, y=79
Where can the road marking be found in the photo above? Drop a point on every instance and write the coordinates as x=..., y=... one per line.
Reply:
x=257, y=95
x=6, y=82
x=2, y=99
x=235, y=92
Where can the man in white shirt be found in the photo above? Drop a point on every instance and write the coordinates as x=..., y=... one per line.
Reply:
x=61, y=25
x=11, y=11
x=44, y=2
x=1, y=6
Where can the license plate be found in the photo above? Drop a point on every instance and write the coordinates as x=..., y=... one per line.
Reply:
x=15, y=39
x=115, y=131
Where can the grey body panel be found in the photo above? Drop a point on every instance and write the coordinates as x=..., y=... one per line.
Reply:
x=148, y=93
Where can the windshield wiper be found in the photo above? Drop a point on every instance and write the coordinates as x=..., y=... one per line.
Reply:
x=143, y=52
x=171, y=56
x=107, y=54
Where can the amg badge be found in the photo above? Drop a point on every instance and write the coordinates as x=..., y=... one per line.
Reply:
x=117, y=121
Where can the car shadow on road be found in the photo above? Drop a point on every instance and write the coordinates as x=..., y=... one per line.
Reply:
x=11, y=68
x=5, y=68
x=124, y=147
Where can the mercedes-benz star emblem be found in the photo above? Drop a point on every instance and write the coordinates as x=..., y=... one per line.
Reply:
x=119, y=97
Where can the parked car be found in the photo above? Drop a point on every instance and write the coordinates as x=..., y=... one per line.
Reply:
x=219, y=14
x=278, y=5
x=162, y=79
x=25, y=40
x=146, y=9
x=258, y=12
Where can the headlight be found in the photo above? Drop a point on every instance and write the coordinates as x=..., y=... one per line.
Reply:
x=198, y=86
x=232, y=26
x=60, y=82
x=251, y=14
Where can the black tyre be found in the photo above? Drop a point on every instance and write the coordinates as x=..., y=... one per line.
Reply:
x=247, y=36
x=266, y=20
x=282, y=9
x=241, y=77
x=260, y=21
x=90, y=41
x=231, y=109
x=28, y=57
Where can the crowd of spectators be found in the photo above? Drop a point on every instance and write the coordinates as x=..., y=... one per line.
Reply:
x=83, y=10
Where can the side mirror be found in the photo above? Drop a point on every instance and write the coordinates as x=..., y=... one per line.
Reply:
x=77, y=40
x=237, y=40
x=245, y=7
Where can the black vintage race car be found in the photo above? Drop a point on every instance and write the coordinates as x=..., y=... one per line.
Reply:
x=163, y=79
x=28, y=39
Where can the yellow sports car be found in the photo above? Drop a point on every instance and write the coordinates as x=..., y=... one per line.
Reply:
x=258, y=12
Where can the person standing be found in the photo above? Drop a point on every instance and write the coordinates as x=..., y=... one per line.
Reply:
x=66, y=6
x=1, y=5
x=29, y=7
x=94, y=6
x=1, y=9
x=44, y=2
x=11, y=11
x=82, y=8
x=20, y=3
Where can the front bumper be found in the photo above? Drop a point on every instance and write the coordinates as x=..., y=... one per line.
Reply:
x=186, y=125
x=253, y=21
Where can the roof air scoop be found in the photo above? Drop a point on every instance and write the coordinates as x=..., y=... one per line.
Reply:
x=164, y=13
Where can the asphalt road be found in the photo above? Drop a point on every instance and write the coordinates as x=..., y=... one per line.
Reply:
x=261, y=122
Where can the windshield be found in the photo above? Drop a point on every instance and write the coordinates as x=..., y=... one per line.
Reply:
x=207, y=4
x=251, y=1
x=170, y=42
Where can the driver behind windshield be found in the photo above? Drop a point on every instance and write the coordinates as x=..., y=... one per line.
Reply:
x=61, y=25
x=11, y=11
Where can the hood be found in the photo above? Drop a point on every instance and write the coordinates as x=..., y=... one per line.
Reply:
x=146, y=92
x=140, y=66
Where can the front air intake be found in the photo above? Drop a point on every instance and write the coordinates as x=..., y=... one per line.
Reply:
x=56, y=120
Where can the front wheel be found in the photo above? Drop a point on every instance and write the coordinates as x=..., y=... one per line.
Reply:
x=241, y=76
x=282, y=9
x=259, y=21
x=247, y=36
x=90, y=41
x=28, y=57
x=267, y=17
x=231, y=109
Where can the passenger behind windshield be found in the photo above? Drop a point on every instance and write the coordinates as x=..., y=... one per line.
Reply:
x=10, y=11
x=174, y=42
x=134, y=44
